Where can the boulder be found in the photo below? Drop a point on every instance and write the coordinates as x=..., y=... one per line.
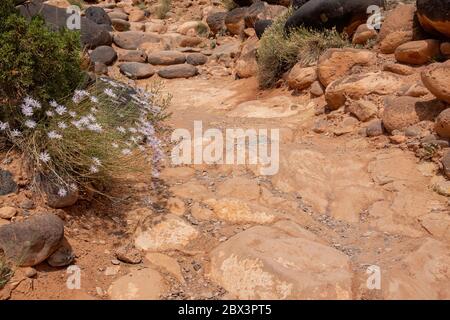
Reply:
x=343, y=15
x=166, y=57
x=300, y=78
x=196, y=58
x=132, y=56
x=7, y=183
x=246, y=66
x=260, y=10
x=363, y=34
x=216, y=22
x=129, y=254
x=398, y=68
x=434, y=16
x=417, y=52
x=359, y=85
x=362, y=109
x=120, y=25
x=194, y=28
x=442, y=126
x=136, y=16
x=92, y=34
x=397, y=27
x=235, y=20
x=374, y=128
x=402, y=112
x=280, y=262
x=103, y=54
x=436, y=78
x=63, y=256
x=118, y=15
x=335, y=63
x=178, y=71
x=131, y=40
x=7, y=212
x=33, y=240
x=261, y=26
x=98, y=15
x=155, y=27
x=137, y=70
x=445, y=49
x=57, y=196
x=446, y=163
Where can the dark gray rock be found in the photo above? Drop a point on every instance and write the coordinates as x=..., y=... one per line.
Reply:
x=374, y=128
x=196, y=59
x=99, y=16
x=28, y=243
x=178, y=71
x=52, y=191
x=216, y=22
x=7, y=184
x=103, y=54
x=137, y=70
x=92, y=34
x=63, y=256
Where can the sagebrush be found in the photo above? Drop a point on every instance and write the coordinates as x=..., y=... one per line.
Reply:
x=278, y=52
x=163, y=8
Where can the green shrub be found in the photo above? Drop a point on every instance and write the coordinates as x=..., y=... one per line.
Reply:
x=163, y=8
x=279, y=52
x=34, y=60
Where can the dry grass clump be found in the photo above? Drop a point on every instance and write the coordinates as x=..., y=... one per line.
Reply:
x=163, y=8
x=279, y=52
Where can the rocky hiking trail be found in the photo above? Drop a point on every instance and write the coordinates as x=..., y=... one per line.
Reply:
x=346, y=196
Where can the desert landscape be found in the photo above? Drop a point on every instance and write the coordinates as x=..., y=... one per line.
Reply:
x=352, y=98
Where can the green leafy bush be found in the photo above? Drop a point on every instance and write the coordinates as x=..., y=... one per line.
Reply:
x=278, y=52
x=34, y=60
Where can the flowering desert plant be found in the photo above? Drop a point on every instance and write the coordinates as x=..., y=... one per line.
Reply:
x=90, y=138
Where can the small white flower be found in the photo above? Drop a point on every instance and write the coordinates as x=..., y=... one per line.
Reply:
x=121, y=129
x=28, y=101
x=132, y=130
x=62, y=125
x=61, y=110
x=79, y=95
x=62, y=192
x=94, y=110
x=54, y=135
x=30, y=124
x=96, y=161
x=53, y=104
x=91, y=117
x=95, y=127
x=73, y=187
x=27, y=110
x=94, y=99
x=3, y=126
x=44, y=157
x=142, y=148
x=93, y=169
x=73, y=114
x=110, y=93
x=115, y=145
x=16, y=133
x=126, y=151
x=49, y=113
